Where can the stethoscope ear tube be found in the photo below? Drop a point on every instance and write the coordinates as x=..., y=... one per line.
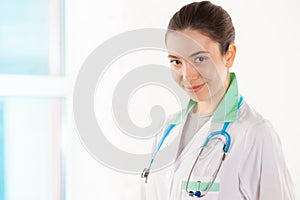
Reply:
x=216, y=133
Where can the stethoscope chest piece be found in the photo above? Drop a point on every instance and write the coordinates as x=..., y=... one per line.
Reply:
x=145, y=174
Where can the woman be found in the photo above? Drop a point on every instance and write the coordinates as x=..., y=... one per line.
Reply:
x=200, y=42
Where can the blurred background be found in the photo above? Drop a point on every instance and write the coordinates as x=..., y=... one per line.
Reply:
x=43, y=44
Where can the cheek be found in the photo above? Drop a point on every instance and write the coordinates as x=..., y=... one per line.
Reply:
x=208, y=70
x=177, y=77
x=215, y=70
x=216, y=85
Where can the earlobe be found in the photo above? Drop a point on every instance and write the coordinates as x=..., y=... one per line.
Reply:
x=230, y=55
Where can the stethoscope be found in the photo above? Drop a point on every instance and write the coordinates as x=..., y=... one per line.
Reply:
x=212, y=135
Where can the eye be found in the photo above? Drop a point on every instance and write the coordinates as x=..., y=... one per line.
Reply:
x=200, y=59
x=175, y=62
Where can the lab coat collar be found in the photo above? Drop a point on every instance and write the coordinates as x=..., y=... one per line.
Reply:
x=227, y=110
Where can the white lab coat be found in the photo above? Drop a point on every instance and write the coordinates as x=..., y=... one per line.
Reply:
x=254, y=168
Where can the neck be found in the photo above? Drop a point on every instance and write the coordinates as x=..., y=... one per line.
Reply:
x=209, y=106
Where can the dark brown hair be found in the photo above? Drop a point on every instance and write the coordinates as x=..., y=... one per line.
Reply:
x=211, y=20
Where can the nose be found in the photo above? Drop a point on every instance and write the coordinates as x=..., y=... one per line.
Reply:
x=189, y=72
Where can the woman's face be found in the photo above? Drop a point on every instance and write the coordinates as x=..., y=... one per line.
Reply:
x=197, y=64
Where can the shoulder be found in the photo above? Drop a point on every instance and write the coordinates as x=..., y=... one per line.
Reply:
x=257, y=129
x=253, y=120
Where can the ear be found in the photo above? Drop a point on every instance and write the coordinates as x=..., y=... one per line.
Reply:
x=230, y=55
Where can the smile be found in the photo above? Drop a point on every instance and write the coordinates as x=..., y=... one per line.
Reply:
x=195, y=88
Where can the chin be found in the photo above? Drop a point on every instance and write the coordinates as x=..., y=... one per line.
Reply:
x=199, y=98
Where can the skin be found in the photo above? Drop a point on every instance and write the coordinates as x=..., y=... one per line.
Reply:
x=199, y=67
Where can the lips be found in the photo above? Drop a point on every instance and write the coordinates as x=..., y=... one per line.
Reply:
x=195, y=88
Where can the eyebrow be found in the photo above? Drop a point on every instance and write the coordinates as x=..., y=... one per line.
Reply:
x=198, y=52
x=192, y=55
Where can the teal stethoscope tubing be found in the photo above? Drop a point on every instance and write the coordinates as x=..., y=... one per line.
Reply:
x=172, y=125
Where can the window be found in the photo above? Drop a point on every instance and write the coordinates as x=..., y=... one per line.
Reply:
x=32, y=100
x=31, y=148
x=30, y=36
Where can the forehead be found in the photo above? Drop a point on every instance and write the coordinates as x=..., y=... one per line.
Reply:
x=186, y=42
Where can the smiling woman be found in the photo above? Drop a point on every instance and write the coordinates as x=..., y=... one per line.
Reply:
x=206, y=69
x=247, y=160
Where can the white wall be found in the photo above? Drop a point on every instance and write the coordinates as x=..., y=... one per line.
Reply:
x=267, y=66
